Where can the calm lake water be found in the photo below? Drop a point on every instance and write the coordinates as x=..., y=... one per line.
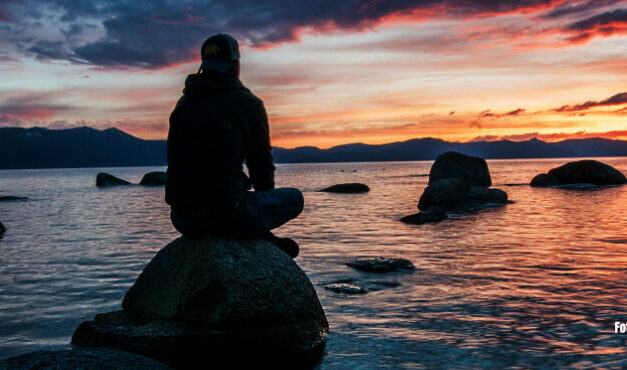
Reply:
x=537, y=283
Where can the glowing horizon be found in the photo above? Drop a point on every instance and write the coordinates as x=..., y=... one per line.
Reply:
x=377, y=73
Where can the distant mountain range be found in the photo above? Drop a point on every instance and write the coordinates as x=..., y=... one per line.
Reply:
x=87, y=147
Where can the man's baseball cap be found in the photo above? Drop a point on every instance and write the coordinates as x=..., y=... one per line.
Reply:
x=219, y=52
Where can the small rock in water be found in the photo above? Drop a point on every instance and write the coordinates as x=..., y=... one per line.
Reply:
x=105, y=179
x=375, y=285
x=386, y=283
x=381, y=264
x=11, y=197
x=433, y=214
x=2, y=228
x=588, y=171
x=156, y=178
x=81, y=359
x=347, y=188
x=345, y=288
x=544, y=179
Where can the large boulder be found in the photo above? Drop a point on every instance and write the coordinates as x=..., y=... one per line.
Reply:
x=105, y=179
x=353, y=187
x=106, y=359
x=156, y=178
x=454, y=165
x=588, y=171
x=456, y=195
x=209, y=297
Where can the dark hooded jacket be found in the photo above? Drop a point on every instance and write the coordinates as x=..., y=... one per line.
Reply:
x=216, y=126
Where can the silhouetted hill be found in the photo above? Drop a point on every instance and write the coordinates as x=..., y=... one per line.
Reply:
x=428, y=149
x=87, y=147
x=76, y=147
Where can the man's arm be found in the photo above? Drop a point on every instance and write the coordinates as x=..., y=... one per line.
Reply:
x=259, y=156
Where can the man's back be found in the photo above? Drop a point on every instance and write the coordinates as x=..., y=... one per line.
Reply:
x=216, y=125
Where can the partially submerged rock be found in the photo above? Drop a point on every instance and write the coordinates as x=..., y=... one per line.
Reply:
x=11, y=197
x=586, y=171
x=2, y=228
x=454, y=165
x=345, y=288
x=455, y=195
x=353, y=187
x=105, y=179
x=433, y=214
x=544, y=179
x=381, y=264
x=156, y=178
x=107, y=359
x=208, y=298
x=352, y=286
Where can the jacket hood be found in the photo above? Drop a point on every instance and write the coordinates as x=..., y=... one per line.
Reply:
x=200, y=84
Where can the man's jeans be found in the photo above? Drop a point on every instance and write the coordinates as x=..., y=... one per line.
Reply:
x=256, y=213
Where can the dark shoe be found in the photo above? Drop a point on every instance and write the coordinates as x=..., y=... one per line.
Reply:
x=287, y=245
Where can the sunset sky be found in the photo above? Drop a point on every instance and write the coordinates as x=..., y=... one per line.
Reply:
x=329, y=72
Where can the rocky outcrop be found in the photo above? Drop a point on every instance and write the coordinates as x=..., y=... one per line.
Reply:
x=105, y=179
x=581, y=172
x=433, y=214
x=106, y=359
x=457, y=183
x=202, y=299
x=544, y=179
x=11, y=197
x=2, y=229
x=455, y=195
x=156, y=178
x=453, y=165
x=352, y=187
x=381, y=264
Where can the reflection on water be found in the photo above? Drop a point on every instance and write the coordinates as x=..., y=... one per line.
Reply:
x=539, y=282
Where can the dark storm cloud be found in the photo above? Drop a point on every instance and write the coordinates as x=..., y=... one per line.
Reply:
x=578, y=7
x=165, y=32
x=45, y=49
x=617, y=16
x=618, y=99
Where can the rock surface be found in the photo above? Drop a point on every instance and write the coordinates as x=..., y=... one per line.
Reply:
x=81, y=359
x=433, y=214
x=105, y=179
x=588, y=171
x=213, y=297
x=345, y=288
x=544, y=179
x=454, y=165
x=455, y=195
x=11, y=197
x=381, y=264
x=156, y=178
x=353, y=187
x=2, y=228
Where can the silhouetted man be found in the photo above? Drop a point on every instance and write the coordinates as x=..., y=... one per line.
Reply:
x=216, y=126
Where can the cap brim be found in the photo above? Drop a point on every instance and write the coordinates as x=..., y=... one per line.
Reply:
x=218, y=65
